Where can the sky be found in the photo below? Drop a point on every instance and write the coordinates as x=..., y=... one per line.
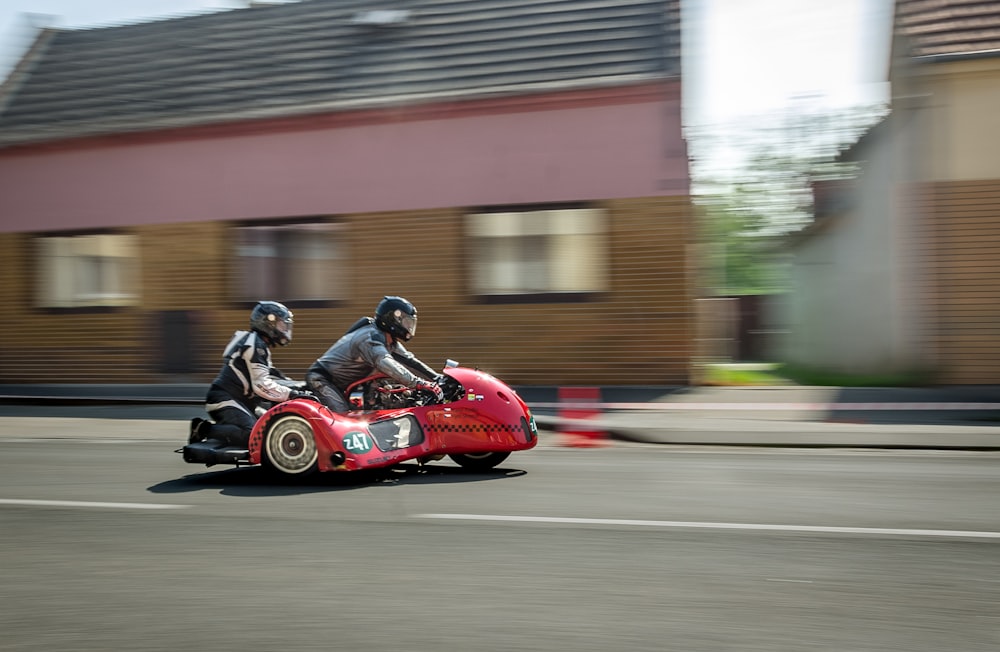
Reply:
x=750, y=64
x=748, y=57
x=743, y=58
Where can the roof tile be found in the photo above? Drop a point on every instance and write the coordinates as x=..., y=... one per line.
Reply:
x=949, y=27
x=289, y=58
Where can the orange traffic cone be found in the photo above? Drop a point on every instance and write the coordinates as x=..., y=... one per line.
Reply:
x=577, y=406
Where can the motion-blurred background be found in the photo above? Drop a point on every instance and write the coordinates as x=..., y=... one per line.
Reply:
x=630, y=192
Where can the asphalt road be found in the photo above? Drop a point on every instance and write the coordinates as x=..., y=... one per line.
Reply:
x=110, y=542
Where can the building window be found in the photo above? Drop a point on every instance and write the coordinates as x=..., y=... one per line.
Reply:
x=553, y=252
x=85, y=271
x=289, y=262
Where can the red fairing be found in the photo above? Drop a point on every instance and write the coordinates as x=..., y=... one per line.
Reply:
x=485, y=416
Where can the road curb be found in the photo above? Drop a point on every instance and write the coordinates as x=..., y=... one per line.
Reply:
x=794, y=434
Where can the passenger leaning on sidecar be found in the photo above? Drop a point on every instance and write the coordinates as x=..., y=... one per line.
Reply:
x=372, y=344
x=247, y=378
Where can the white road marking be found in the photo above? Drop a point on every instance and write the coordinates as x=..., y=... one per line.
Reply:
x=823, y=529
x=80, y=503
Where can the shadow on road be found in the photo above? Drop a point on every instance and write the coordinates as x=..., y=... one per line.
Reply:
x=256, y=482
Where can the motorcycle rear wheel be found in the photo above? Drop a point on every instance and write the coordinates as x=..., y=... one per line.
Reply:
x=290, y=447
x=479, y=461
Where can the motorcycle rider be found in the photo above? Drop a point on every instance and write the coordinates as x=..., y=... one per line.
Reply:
x=370, y=345
x=247, y=378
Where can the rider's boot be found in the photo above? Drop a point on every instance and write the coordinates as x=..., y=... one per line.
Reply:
x=199, y=430
x=228, y=434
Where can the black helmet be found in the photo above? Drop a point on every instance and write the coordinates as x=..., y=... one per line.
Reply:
x=273, y=321
x=397, y=316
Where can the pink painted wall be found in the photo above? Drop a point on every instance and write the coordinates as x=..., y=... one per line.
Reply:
x=631, y=150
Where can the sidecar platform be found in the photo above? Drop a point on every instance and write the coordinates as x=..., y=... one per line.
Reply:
x=214, y=451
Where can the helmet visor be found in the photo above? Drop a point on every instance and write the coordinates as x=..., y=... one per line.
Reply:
x=409, y=324
x=285, y=328
x=281, y=329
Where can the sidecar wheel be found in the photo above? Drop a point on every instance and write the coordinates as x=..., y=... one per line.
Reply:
x=290, y=447
x=479, y=461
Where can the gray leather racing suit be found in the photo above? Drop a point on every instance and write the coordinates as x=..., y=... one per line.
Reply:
x=361, y=352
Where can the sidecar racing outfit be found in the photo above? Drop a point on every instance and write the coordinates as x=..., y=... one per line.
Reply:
x=247, y=378
x=362, y=351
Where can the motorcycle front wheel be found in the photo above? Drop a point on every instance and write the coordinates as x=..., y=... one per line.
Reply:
x=479, y=461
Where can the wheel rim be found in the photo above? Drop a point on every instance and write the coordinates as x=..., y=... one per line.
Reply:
x=291, y=447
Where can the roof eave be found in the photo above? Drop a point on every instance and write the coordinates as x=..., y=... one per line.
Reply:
x=114, y=127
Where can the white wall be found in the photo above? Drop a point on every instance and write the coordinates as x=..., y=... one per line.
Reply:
x=845, y=304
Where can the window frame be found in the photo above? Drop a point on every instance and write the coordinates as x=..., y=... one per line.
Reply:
x=541, y=296
x=39, y=272
x=234, y=270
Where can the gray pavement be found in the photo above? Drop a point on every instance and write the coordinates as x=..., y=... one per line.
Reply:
x=949, y=417
x=945, y=417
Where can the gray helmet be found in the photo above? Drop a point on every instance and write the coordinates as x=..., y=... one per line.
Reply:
x=272, y=320
x=397, y=316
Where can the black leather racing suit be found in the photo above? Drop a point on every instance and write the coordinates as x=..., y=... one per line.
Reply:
x=244, y=382
x=362, y=351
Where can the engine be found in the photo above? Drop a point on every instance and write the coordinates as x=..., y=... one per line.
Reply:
x=387, y=394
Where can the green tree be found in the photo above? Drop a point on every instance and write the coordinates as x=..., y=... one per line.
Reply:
x=750, y=205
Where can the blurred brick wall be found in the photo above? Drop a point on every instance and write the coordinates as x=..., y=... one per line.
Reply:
x=639, y=333
x=962, y=232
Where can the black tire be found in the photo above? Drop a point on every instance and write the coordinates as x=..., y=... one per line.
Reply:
x=479, y=461
x=290, y=447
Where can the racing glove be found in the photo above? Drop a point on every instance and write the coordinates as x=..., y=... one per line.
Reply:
x=301, y=393
x=432, y=387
